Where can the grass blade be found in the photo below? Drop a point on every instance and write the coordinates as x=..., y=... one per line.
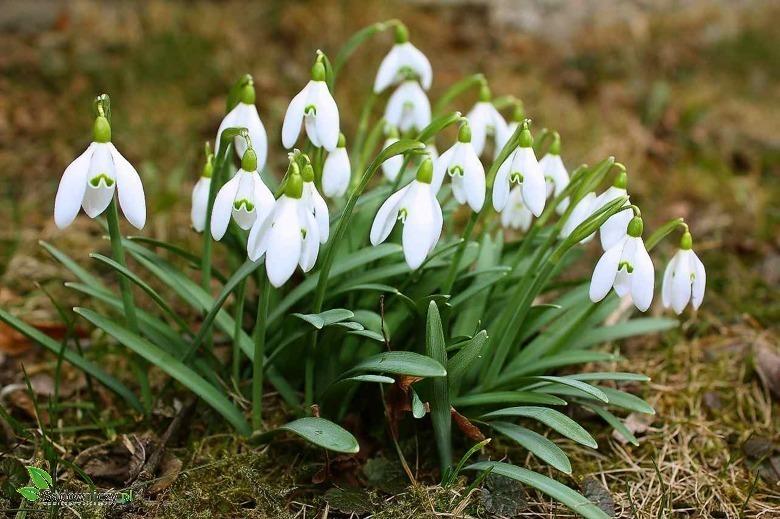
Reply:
x=440, y=398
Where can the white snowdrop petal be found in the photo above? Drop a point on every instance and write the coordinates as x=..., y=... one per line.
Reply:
x=501, y=185
x=386, y=216
x=311, y=241
x=102, y=172
x=421, y=107
x=327, y=118
x=293, y=118
x=388, y=70
x=440, y=167
x=257, y=243
x=534, y=186
x=681, y=282
x=262, y=196
x=418, y=227
x=394, y=110
x=284, y=245
x=699, y=281
x=474, y=179
x=336, y=173
x=643, y=277
x=418, y=62
x=604, y=273
x=615, y=228
x=223, y=207
x=250, y=119
x=478, y=122
x=392, y=166
x=438, y=221
x=229, y=121
x=130, y=190
x=321, y=215
x=200, y=201
x=458, y=190
x=666, y=282
x=70, y=192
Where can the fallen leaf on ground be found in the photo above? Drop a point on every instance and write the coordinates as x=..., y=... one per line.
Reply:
x=169, y=471
x=598, y=495
x=767, y=362
x=637, y=423
x=117, y=462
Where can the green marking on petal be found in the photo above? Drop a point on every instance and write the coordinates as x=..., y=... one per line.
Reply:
x=248, y=206
x=624, y=264
x=107, y=181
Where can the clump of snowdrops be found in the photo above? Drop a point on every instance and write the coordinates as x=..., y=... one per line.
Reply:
x=376, y=273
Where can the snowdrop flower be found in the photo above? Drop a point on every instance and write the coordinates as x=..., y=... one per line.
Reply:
x=244, y=197
x=314, y=202
x=244, y=115
x=404, y=61
x=464, y=167
x=581, y=212
x=287, y=235
x=627, y=267
x=555, y=173
x=315, y=108
x=91, y=179
x=521, y=167
x=416, y=206
x=485, y=121
x=392, y=166
x=614, y=229
x=516, y=215
x=408, y=107
x=684, y=278
x=200, y=196
x=336, y=171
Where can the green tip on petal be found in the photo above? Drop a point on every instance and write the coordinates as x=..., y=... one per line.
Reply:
x=293, y=188
x=621, y=181
x=484, y=93
x=464, y=133
x=425, y=171
x=635, y=227
x=401, y=33
x=307, y=173
x=318, y=71
x=249, y=160
x=342, y=141
x=247, y=95
x=555, y=147
x=518, y=113
x=101, y=130
x=686, y=242
x=526, y=139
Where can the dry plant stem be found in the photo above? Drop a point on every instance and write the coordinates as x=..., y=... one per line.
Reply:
x=118, y=252
x=258, y=337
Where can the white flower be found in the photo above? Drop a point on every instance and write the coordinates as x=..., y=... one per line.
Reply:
x=516, y=215
x=245, y=115
x=336, y=171
x=684, y=279
x=627, y=267
x=244, y=197
x=408, y=107
x=312, y=200
x=392, y=166
x=521, y=167
x=288, y=235
x=581, y=212
x=464, y=167
x=557, y=178
x=200, y=202
x=614, y=229
x=91, y=179
x=485, y=121
x=403, y=60
x=315, y=107
x=419, y=211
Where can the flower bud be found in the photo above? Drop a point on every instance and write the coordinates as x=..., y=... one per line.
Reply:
x=249, y=160
x=464, y=133
x=686, y=242
x=425, y=171
x=635, y=227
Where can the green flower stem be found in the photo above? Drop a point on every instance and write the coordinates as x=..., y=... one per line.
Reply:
x=239, y=319
x=217, y=176
x=361, y=132
x=258, y=337
x=663, y=231
x=118, y=252
x=453, y=272
x=462, y=86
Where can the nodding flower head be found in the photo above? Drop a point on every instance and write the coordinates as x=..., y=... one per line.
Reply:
x=485, y=121
x=315, y=109
x=555, y=173
x=336, y=171
x=408, y=107
x=614, y=229
x=404, y=61
x=463, y=166
x=245, y=115
x=92, y=178
x=200, y=195
x=521, y=167
x=684, y=278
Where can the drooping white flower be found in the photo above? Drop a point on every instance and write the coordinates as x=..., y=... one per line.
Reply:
x=581, y=212
x=408, y=107
x=416, y=206
x=200, y=197
x=626, y=267
x=614, y=229
x=288, y=235
x=336, y=171
x=404, y=61
x=245, y=198
x=515, y=214
x=464, y=167
x=391, y=168
x=245, y=115
x=91, y=179
x=312, y=200
x=521, y=167
x=555, y=173
x=684, y=279
x=315, y=109
x=485, y=121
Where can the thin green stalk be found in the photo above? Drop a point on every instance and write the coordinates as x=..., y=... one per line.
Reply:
x=361, y=132
x=258, y=337
x=450, y=281
x=118, y=251
x=205, y=265
x=239, y=319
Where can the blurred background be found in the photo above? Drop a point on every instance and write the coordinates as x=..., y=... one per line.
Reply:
x=685, y=93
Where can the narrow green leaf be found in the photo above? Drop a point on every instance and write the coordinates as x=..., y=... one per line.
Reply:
x=29, y=493
x=441, y=416
x=582, y=386
x=551, y=418
x=457, y=89
x=418, y=408
x=614, y=422
x=370, y=334
x=630, y=328
x=326, y=318
x=175, y=368
x=323, y=433
x=627, y=400
x=459, y=364
x=558, y=491
x=507, y=397
x=610, y=375
x=400, y=363
x=537, y=444
x=40, y=478
x=83, y=275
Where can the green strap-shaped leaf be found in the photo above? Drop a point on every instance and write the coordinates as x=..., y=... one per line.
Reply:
x=319, y=431
x=536, y=443
x=558, y=491
x=441, y=416
x=551, y=418
x=326, y=318
x=630, y=328
x=593, y=391
x=507, y=397
x=399, y=363
x=459, y=364
x=175, y=368
x=614, y=422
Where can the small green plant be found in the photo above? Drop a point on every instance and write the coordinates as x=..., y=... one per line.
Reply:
x=40, y=479
x=477, y=321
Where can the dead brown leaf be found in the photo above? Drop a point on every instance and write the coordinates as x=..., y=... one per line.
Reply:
x=169, y=471
x=471, y=431
x=767, y=362
x=118, y=462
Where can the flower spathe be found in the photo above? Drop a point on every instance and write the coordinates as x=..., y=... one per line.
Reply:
x=521, y=167
x=684, y=279
x=91, y=179
x=245, y=198
x=403, y=60
x=245, y=115
x=315, y=109
x=288, y=236
x=516, y=215
x=465, y=169
x=626, y=267
x=408, y=107
x=416, y=206
x=336, y=171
